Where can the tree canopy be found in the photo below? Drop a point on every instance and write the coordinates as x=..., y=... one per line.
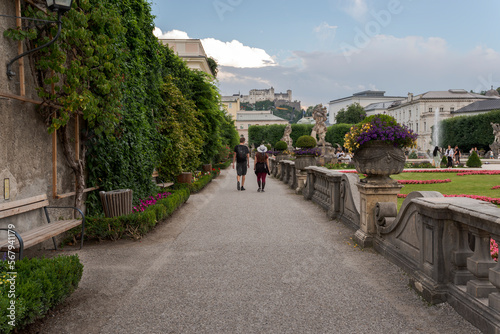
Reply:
x=355, y=113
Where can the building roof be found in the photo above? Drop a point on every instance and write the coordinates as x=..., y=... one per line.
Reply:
x=253, y=116
x=230, y=98
x=368, y=94
x=485, y=105
x=306, y=120
x=492, y=92
x=450, y=94
x=379, y=105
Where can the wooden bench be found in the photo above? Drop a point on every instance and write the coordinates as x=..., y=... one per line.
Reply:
x=160, y=184
x=38, y=234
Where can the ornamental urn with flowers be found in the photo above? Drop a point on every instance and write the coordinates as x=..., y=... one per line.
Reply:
x=306, y=152
x=377, y=145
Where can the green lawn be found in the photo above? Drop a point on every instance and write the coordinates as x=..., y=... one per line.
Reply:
x=468, y=184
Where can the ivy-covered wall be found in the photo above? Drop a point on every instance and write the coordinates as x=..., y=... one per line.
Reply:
x=139, y=105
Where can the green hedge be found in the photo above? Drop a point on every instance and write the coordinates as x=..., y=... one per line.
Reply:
x=134, y=225
x=40, y=284
x=259, y=134
x=469, y=131
x=223, y=165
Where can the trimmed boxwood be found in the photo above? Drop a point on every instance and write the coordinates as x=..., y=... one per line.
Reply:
x=474, y=160
x=40, y=285
x=280, y=146
x=306, y=142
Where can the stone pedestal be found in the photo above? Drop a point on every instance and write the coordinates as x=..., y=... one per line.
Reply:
x=371, y=194
x=301, y=176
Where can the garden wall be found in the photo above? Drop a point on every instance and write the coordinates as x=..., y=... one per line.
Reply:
x=26, y=147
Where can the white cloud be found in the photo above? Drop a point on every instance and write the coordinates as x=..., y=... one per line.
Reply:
x=357, y=9
x=172, y=34
x=396, y=65
x=325, y=32
x=236, y=54
x=233, y=53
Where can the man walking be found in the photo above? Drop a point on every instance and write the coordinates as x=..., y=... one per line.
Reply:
x=242, y=159
x=449, y=153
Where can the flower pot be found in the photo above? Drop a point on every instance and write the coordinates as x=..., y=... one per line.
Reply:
x=378, y=160
x=303, y=161
x=207, y=167
x=186, y=177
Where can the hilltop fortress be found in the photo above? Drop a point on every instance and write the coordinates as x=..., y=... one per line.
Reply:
x=257, y=95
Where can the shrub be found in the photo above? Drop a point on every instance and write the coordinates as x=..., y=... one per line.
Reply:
x=413, y=155
x=335, y=134
x=474, y=160
x=40, y=285
x=306, y=142
x=134, y=225
x=444, y=161
x=280, y=146
x=223, y=165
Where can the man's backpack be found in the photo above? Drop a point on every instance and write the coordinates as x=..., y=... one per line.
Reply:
x=241, y=153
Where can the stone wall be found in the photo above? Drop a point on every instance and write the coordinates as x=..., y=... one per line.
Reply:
x=26, y=146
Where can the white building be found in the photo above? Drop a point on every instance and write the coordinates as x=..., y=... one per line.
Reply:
x=245, y=119
x=257, y=95
x=421, y=112
x=364, y=98
x=192, y=51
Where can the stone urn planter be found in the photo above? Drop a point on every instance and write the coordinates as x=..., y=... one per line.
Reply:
x=303, y=161
x=185, y=177
x=378, y=160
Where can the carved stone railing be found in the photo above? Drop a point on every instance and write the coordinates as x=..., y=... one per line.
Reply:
x=290, y=177
x=335, y=192
x=286, y=171
x=429, y=238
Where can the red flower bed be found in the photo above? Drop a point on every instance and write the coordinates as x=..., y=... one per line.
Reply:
x=495, y=187
x=479, y=172
x=423, y=181
x=435, y=170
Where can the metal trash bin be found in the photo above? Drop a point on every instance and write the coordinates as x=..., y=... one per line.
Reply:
x=116, y=202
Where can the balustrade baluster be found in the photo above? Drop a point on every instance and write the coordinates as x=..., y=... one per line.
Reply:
x=461, y=275
x=479, y=265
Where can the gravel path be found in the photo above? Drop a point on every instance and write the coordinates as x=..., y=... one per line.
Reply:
x=244, y=262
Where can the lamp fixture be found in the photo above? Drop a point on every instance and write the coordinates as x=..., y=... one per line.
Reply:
x=59, y=6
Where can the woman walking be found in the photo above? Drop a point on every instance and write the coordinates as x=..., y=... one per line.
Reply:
x=261, y=167
x=436, y=156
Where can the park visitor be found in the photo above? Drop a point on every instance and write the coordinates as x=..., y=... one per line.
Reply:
x=449, y=155
x=436, y=156
x=261, y=167
x=457, y=155
x=242, y=159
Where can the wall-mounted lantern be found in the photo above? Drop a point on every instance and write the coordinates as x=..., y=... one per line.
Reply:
x=59, y=6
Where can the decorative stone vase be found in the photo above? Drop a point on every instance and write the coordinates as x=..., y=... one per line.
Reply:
x=280, y=156
x=207, y=167
x=378, y=160
x=303, y=161
x=185, y=177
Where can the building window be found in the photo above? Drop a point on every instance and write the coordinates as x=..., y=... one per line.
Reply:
x=430, y=109
x=441, y=109
x=425, y=126
x=452, y=109
x=230, y=106
x=417, y=127
x=241, y=127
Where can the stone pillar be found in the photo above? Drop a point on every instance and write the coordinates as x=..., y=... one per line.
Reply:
x=370, y=194
x=301, y=176
x=479, y=265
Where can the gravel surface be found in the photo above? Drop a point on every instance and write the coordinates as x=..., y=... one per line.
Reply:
x=233, y=261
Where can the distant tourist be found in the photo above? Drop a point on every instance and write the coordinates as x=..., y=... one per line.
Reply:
x=492, y=155
x=449, y=155
x=242, y=159
x=436, y=156
x=457, y=155
x=261, y=167
x=340, y=153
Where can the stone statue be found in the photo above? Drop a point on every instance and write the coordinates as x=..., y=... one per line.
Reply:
x=319, y=129
x=286, y=137
x=495, y=147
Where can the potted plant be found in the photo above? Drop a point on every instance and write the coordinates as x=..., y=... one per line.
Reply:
x=377, y=145
x=306, y=152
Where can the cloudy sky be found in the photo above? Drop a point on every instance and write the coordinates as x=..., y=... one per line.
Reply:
x=328, y=49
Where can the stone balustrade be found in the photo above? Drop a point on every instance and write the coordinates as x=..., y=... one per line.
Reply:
x=442, y=243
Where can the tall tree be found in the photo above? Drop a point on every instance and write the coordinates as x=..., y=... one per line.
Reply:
x=355, y=113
